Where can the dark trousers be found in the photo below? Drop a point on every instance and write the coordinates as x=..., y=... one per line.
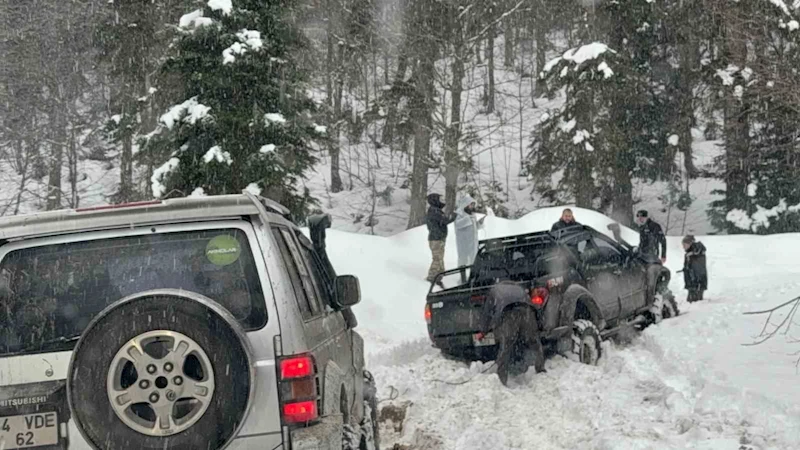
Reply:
x=517, y=337
x=695, y=295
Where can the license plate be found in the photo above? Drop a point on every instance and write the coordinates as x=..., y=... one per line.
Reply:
x=487, y=340
x=30, y=430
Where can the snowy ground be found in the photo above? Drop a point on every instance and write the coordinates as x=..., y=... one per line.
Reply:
x=686, y=383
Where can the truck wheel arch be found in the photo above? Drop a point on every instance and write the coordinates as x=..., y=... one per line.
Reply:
x=578, y=303
x=658, y=278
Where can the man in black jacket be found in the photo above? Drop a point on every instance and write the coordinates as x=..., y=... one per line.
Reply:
x=508, y=311
x=567, y=220
x=437, y=222
x=651, y=236
x=695, y=274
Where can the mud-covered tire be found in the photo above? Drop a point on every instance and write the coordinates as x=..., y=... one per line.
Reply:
x=212, y=329
x=586, y=342
x=670, y=308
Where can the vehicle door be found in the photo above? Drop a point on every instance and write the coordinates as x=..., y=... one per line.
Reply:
x=620, y=264
x=602, y=277
x=325, y=331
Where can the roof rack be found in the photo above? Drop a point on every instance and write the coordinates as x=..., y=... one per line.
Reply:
x=50, y=223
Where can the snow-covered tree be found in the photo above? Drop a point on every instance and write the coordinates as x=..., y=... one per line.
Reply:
x=246, y=122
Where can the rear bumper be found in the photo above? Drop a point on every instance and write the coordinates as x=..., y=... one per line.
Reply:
x=325, y=435
x=464, y=341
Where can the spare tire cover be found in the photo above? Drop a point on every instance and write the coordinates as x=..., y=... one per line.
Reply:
x=162, y=369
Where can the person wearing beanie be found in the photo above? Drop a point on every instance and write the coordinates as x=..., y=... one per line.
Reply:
x=695, y=274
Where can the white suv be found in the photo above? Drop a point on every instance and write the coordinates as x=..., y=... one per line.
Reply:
x=189, y=324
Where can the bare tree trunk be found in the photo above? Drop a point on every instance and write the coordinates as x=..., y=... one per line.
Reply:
x=453, y=134
x=490, y=70
x=622, y=203
x=541, y=56
x=508, y=42
x=72, y=157
x=126, y=168
x=397, y=86
x=736, y=129
x=689, y=52
x=333, y=85
x=421, y=110
x=56, y=163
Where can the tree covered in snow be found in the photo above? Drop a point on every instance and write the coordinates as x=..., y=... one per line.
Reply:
x=755, y=77
x=246, y=122
x=610, y=130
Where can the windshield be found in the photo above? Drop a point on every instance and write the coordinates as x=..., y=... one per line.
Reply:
x=53, y=292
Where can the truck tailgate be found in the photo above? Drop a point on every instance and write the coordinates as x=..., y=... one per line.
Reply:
x=456, y=312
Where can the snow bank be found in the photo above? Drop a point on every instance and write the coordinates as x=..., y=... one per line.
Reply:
x=686, y=383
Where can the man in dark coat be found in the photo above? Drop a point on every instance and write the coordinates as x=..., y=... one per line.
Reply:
x=567, y=220
x=651, y=236
x=437, y=222
x=695, y=275
x=508, y=311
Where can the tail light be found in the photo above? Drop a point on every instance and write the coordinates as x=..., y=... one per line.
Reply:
x=298, y=389
x=427, y=313
x=539, y=296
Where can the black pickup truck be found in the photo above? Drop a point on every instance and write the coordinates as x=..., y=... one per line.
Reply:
x=584, y=286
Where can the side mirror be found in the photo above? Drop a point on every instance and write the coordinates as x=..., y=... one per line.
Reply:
x=348, y=291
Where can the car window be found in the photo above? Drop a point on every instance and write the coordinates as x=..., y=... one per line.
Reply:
x=607, y=251
x=305, y=290
x=320, y=277
x=54, y=291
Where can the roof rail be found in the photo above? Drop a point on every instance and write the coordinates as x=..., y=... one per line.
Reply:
x=269, y=204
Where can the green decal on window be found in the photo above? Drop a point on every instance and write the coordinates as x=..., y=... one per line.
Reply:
x=223, y=250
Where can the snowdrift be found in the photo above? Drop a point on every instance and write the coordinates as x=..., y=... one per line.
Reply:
x=686, y=383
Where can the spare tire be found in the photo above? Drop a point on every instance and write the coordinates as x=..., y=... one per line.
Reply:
x=161, y=369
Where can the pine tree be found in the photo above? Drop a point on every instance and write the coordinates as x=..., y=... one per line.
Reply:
x=246, y=122
x=610, y=130
x=761, y=165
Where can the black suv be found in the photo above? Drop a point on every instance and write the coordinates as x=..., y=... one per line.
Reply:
x=584, y=286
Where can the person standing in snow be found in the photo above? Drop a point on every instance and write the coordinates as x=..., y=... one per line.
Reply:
x=508, y=311
x=437, y=222
x=467, y=231
x=651, y=236
x=567, y=220
x=695, y=275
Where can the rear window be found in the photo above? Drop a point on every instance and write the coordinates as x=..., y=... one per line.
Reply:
x=49, y=294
